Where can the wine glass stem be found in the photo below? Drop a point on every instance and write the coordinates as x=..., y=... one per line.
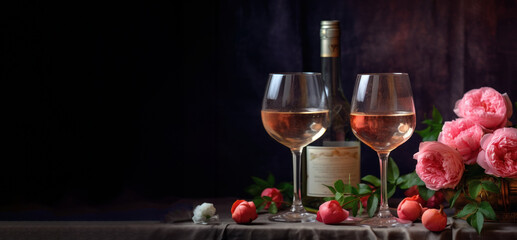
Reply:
x=384, y=210
x=297, y=159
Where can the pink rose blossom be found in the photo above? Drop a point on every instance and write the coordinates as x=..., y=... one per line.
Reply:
x=438, y=165
x=463, y=135
x=485, y=106
x=243, y=211
x=498, y=155
x=331, y=212
x=275, y=195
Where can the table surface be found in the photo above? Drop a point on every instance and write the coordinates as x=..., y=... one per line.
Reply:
x=176, y=224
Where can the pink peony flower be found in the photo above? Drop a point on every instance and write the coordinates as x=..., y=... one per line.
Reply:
x=409, y=208
x=331, y=212
x=244, y=212
x=438, y=165
x=498, y=155
x=485, y=106
x=275, y=195
x=463, y=135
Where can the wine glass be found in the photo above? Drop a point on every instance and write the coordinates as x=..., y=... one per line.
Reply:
x=383, y=117
x=295, y=113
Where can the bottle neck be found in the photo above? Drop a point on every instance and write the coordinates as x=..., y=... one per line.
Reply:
x=339, y=129
x=331, y=74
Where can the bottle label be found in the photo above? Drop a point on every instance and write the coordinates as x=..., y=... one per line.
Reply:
x=325, y=165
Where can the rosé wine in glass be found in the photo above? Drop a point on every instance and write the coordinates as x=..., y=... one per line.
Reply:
x=295, y=113
x=383, y=117
x=383, y=131
x=295, y=129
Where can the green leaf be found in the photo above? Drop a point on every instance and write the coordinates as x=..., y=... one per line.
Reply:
x=490, y=186
x=434, y=126
x=254, y=190
x=476, y=221
x=354, y=191
x=285, y=187
x=348, y=202
x=372, y=180
x=424, y=133
x=261, y=182
x=467, y=210
x=332, y=189
x=348, y=188
x=469, y=219
x=340, y=198
x=339, y=186
x=363, y=188
x=486, y=209
x=372, y=204
x=432, y=136
x=355, y=206
x=287, y=190
x=260, y=207
x=425, y=193
x=270, y=180
x=259, y=203
x=429, y=122
x=267, y=198
x=474, y=188
x=391, y=190
x=437, y=117
x=408, y=180
x=360, y=211
x=393, y=171
x=454, y=198
x=272, y=208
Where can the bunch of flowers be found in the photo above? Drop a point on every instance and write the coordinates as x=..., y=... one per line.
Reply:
x=472, y=154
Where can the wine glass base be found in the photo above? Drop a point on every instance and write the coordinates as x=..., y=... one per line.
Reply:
x=386, y=222
x=293, y=217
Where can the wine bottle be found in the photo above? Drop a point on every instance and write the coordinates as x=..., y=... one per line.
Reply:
x=336, y=155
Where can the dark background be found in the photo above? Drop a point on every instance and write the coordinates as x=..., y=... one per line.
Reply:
x=110, y=102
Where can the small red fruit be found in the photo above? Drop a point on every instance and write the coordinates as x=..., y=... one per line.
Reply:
x=409, y=208
x=435, y=220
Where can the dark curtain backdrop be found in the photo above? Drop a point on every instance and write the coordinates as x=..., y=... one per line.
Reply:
x=113, y=102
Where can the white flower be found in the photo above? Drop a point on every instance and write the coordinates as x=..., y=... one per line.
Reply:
x=204, y=213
